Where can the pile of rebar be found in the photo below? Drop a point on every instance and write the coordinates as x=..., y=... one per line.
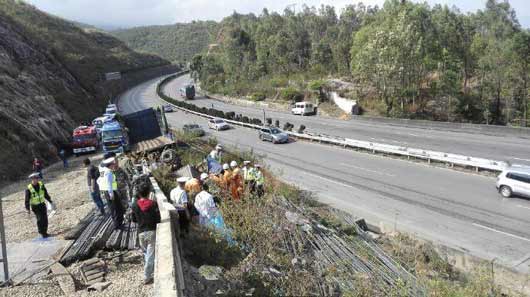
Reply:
x=350, y=257
x=91, y=238
x=125, y=238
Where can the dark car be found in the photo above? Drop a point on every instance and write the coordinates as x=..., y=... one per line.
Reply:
x=193, y=129
x=168, y=108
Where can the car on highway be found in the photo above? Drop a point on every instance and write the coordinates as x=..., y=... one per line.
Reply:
x=514, y=180
x=273, y=135
x=218, y=124
x=168, y=108
x=304, y=108
x=193, y=129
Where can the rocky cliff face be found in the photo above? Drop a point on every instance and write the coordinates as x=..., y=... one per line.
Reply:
x=50, y=73
x=31, y=82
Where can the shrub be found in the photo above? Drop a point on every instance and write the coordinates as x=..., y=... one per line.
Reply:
x=277, y=123
x=258, y=96
x=279, y=82
x=256, y=122
x=269, y=121
x=301, y=129
x=245, y=119
x=291, y=94
x=230, y=115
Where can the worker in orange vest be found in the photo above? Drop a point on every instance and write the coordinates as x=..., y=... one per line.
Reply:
x=236, y=185
x=227, y=177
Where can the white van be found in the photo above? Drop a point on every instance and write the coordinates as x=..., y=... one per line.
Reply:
x=303, y=108
x=514, y=180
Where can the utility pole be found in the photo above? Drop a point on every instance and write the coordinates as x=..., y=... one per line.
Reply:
x=4, y=249
x=264, y=121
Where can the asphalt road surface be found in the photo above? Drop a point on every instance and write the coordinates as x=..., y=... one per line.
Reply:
x=458, y=209
x=503, y=148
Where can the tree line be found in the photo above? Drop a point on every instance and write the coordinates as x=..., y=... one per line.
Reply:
x=405, y=59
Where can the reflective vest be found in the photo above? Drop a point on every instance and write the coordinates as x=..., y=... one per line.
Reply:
x=105, y=182
x=36, y=197
x=248, y=174
x=258, y=177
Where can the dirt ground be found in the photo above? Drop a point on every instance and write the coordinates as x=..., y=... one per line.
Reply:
x=68, y=190
x=125, y=275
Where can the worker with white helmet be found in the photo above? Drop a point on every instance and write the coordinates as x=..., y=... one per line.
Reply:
x=203, y=177
x=216, y=154
x=259, y=180
x=227, y=175
x=247, y=174
x=236, y=184
x=112, y=192
x=36, y=196
x=179, y=198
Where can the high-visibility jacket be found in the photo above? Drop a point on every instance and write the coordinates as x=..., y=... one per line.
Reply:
x=110, y=184
x=258, y=177
x=36, y=197
x=247, y=173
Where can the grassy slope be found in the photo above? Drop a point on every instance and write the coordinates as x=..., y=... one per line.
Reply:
x=177, y=43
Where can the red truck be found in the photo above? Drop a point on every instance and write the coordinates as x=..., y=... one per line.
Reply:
x=85, y=139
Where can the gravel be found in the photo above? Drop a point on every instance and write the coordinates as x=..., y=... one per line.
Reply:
x=67, y=189
x=125, y=275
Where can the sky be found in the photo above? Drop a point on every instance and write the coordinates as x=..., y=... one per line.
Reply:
x=113, y=14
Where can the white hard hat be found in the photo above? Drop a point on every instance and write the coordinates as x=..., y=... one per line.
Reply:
x=182, y=179
x=246, y=162
x=257, y=165
x=204, y=176
x=34, y=175
x=225, y=166
x=109, y=161
x=233, y=164
x=218, y=147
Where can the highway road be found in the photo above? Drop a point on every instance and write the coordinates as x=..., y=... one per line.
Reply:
x=458, y=209
x=503, y=148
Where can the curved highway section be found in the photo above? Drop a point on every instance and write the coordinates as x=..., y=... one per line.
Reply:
x=458, y=209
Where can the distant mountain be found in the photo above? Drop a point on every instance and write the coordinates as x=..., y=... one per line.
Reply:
x=177, y=43
x=50, y=80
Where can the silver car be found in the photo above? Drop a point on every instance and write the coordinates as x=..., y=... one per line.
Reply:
x=218, y=124
x=514, y=180
x=273, y=135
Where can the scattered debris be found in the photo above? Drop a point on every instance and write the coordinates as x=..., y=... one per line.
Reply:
x=211, y=273
x=93, y=271
x=65, y=279
x=99, y=286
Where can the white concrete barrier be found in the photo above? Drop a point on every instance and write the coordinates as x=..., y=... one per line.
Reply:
x=168, y=275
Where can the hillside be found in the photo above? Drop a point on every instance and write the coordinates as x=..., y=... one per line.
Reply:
x=176, y=43
x=50, y=80
x=405, y=59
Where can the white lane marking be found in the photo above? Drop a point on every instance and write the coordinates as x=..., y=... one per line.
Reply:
x=501, y=232
x=523, y=206
x=367, y=170
x=521, y=159
x=329, y=180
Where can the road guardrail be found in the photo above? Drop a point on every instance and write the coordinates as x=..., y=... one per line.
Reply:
x=429, y=156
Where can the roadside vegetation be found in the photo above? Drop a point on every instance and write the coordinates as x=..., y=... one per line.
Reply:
x=274, y=255
x=405, y=59
x=177, y=43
